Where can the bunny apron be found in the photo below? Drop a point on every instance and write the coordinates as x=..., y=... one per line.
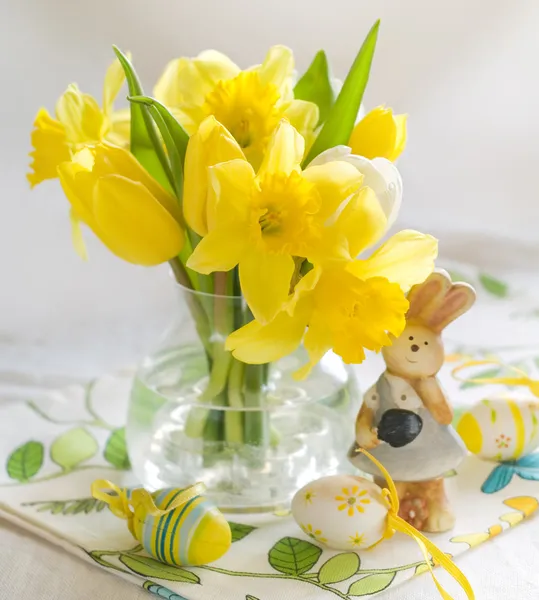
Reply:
x=435, y=451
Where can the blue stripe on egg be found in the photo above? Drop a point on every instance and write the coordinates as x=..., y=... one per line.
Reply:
x=149, y=522
x=190, y=526
x=163, y=526
x=176, y=525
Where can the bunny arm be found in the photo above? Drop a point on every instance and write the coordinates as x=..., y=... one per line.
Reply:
x=366, y=435
x=434, y=399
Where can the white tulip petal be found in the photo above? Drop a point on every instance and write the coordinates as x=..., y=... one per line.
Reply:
x=381, y=176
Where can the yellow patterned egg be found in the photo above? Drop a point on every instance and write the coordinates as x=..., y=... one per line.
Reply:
x=343, y=512
x=193, y=533
x=501, y=428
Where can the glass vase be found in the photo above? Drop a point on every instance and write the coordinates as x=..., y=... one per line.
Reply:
x=252, y=433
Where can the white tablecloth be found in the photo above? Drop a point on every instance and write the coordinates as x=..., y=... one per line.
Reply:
x=504, y=567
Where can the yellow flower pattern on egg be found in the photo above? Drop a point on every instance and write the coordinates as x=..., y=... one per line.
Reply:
x=314, y=534
x=353, y=499
x=342, y=512
x=357, y=540
x=308, y=496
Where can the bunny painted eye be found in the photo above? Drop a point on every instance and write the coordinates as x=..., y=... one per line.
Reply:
x=426, y=343
x=411, y=338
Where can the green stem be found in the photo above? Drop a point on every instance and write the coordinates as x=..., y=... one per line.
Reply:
x=234, y=418
x=394, y=570
x=59, y=474
x=255, y=433
x=223, y=325
x=279, y=576
x=97, y=420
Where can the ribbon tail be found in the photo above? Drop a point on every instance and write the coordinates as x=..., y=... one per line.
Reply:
x=521, y=380
x=144, y=498
x=429, y=549
x=118, y=504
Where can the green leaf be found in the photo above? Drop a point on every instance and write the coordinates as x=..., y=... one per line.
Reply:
x=73, y=447
x=69, y=507
x=293, y=556
x=240, y=530
x=25, y=461
x=174, y=136
x=371, y=584
x=116, y=451
x=145, y=143
x=342, y=117
x=482, y=375
x=315, y=86
x=339, y=568
x=494, y=286
x=149, y=567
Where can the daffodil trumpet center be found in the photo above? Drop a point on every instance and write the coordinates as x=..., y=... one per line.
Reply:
x=247, y=107
x=284, y=207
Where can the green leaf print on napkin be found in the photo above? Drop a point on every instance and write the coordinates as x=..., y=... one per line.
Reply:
x=494, y=286
x=371, y=584
x=339, y=568
x=240, y=530
x=116, y=450
x=149, y=567
x=25, y=461
x=68, y=507
x=293, y=556
x=73, y=447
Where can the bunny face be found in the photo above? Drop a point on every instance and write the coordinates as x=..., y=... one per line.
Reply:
x=417, y=353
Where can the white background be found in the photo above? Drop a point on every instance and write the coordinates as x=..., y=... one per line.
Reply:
x=464, y=70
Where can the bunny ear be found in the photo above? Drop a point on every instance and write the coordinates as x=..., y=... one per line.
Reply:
x=457, y=301
x=426, y=297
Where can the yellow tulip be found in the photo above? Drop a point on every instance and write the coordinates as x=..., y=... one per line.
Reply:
x=248, y=103
x=79, y=123
x=380, y=134
x=348, y=306
x=210, y=145
x=122, y=204
x=261, y=221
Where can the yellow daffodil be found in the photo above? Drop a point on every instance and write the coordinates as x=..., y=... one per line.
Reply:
x=79, y=122
x=122, y=204
x=263, y=220
x=248, y=103
x=379, y=134
x=347, y=306
x=341, y=312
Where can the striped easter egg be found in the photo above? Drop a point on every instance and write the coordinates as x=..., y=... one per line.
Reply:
x=500, y=429
x=194, y=533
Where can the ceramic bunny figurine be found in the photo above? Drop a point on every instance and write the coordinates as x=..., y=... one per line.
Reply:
x=405, y=418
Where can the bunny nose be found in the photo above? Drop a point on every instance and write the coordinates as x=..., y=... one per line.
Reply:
x=414, y=347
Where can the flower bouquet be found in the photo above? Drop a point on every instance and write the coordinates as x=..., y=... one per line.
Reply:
x=263, y=191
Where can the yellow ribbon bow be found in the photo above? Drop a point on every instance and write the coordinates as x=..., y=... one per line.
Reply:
x=121, y=505
x=521, y=380
x=429, y=549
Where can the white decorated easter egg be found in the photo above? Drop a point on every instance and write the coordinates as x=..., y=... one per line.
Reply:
x=343, y=512
x=502, y=428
